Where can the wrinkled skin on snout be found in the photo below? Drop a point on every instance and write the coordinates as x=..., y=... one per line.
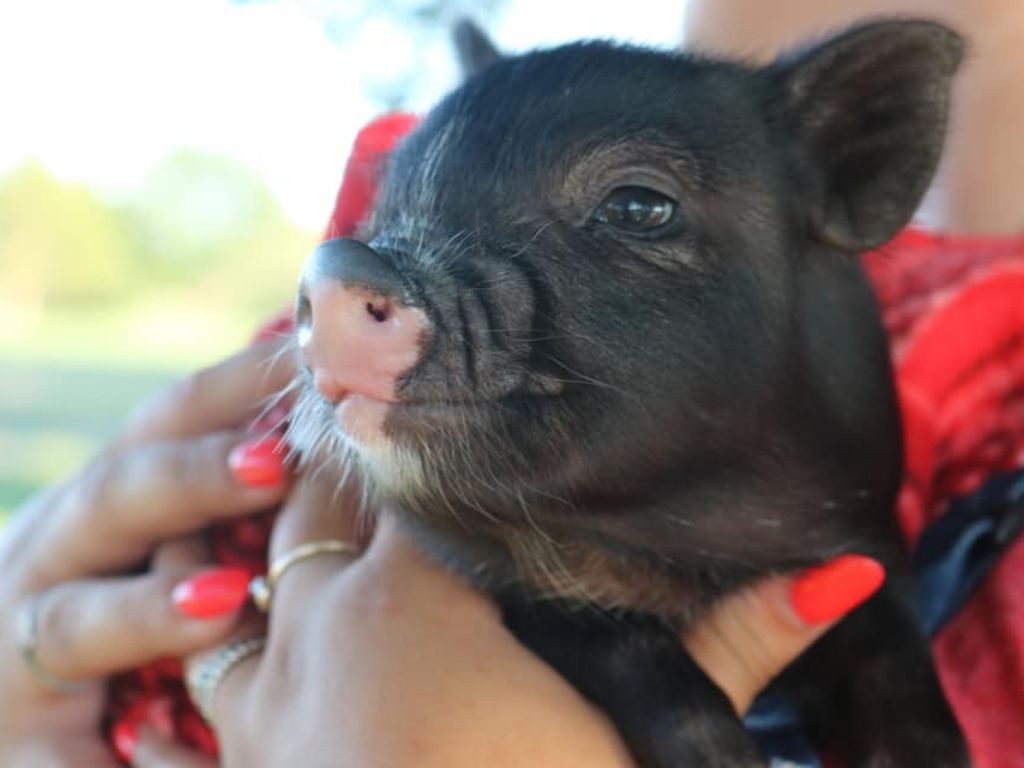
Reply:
x=605, y=338
x=636, y=361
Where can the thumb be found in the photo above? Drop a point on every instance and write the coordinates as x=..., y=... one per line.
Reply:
x=749, y=637
x=325, y=503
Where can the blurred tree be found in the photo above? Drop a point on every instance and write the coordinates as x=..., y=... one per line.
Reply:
x=59, y=242
x=201, y=225
x=343, y=21
x=416, y=34
x=207, y=222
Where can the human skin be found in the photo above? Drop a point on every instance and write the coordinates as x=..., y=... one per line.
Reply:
x=79, y=546
x=388, y=658
x=979, y=187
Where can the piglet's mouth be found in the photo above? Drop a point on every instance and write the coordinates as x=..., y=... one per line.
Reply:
x=362, y=417
x=373, y=422
x=369, y=419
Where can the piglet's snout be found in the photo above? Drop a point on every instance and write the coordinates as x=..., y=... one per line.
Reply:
x=356, y=330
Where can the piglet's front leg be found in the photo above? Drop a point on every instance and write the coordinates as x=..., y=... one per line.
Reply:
x=634, y=667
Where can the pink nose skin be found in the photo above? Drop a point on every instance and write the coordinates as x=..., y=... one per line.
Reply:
x=357, y=342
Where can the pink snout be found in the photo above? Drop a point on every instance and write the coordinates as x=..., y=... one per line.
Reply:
x=357, y=337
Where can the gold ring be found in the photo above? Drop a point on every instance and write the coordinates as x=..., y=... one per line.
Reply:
x=27, y=626
x=203, y=678
x=262, y=588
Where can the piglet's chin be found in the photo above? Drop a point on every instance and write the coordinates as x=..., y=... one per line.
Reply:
x=362, y=419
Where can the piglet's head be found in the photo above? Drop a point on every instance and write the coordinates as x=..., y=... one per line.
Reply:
x=598, y=275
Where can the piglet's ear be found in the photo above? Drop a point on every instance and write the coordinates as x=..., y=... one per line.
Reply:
x=869, y=111
x=473, y=47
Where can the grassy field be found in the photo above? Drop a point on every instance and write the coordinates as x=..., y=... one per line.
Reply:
x=69, y=381
x=54, y=416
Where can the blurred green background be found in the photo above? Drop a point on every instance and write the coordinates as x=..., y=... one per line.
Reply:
x=161, y=180
x=101, y=300
x=165, y=166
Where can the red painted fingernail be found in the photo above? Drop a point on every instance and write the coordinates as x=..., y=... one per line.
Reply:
x=834, y=589
x=259, y=463
x=125, y=735
x=212, y=593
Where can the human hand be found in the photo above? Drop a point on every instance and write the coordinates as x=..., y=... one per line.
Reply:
x=389, y=659
x=73, y=554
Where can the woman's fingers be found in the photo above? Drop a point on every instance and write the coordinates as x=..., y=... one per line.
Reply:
x=232, y=687
x=223, y=396
x=64, y=752
x=320, y=507
x=153, y=750
x=747, y=639
x=181, y=554
x=126, y=502
x=91, y=629
x=168, y=475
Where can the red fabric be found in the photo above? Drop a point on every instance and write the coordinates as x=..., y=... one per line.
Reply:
x=155, y=694
x=359, y=185
x=954, y=309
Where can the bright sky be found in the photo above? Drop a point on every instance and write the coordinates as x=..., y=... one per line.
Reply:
x=100, y=90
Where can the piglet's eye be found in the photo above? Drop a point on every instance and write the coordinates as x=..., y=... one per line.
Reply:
x=635, y=210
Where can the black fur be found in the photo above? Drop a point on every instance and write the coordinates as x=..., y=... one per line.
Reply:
x=473, y=47
x=609, y=430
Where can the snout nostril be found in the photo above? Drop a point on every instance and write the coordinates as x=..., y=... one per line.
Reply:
x=303, y=319
x=379, y=309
